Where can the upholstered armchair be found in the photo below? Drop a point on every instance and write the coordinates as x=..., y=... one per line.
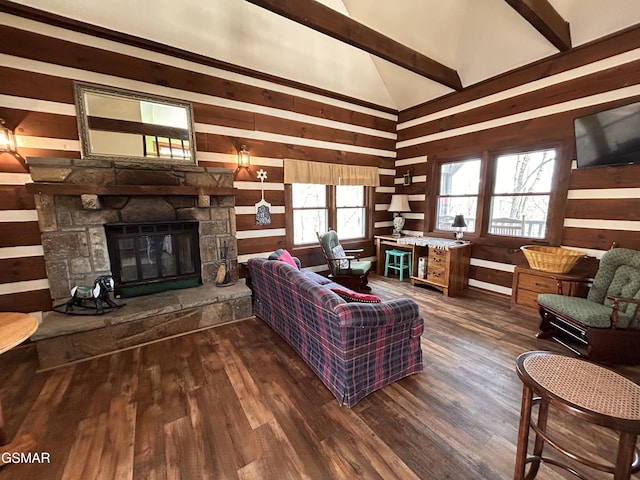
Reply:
x=604, y=326
x=345, y=267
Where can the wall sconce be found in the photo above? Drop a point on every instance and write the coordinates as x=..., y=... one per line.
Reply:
x=406, y=178
x=244, y=160
x=7, y=140
x=458, y=224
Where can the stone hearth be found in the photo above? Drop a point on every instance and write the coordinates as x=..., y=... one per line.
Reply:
x=76, y=198
x=66, y=338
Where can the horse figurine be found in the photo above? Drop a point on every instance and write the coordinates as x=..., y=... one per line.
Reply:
x=98, y=294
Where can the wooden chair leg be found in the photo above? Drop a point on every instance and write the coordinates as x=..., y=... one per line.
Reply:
x=626, y=449
x=523, y=433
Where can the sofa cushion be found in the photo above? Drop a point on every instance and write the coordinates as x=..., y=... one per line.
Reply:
x=316, y=277
x=590, y=314
x=350, y=296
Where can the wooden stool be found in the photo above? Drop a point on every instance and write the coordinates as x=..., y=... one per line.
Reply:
x=576, y=387
x=398, y=262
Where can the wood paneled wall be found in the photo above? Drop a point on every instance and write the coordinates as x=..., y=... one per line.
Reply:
x=531, y=106
x=276, y=121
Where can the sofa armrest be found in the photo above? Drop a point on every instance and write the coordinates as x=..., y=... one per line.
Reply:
x=372, y=315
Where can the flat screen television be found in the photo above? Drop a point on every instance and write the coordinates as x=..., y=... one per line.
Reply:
x=611, y=137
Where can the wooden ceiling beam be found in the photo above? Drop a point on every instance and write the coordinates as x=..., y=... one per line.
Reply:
x=323, y=19
x=544, y=18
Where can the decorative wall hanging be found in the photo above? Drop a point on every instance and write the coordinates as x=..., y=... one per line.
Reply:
x=263, y=208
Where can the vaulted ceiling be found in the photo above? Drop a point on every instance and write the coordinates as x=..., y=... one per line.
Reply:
x=474, y=39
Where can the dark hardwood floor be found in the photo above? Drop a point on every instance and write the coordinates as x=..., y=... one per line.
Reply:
x=235, y=401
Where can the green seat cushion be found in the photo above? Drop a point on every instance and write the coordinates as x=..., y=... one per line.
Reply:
x=584, y=311
x=359, y=267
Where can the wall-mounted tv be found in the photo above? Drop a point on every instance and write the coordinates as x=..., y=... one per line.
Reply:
x=611, y=137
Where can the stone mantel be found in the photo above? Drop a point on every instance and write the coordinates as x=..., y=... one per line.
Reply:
x=51, y=188
x=135, y=178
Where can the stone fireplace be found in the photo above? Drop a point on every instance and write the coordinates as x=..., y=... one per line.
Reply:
x=78, y=201
x=151, y=257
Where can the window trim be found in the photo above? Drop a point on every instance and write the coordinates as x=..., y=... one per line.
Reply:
x=557, y=196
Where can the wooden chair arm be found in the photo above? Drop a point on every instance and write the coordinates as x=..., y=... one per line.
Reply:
x=337, y=267
x=560, y=279
x=355, y=252
x=616, y=306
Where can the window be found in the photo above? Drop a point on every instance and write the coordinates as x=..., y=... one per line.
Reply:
x=506, y=195
x=459, y=189
x=316, y=208
x=521, y=193
x=350, y=211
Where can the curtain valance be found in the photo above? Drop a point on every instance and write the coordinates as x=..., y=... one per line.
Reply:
x=302, y=171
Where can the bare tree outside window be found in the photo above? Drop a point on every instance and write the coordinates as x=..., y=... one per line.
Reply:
x=310, y=212
x=520, y=201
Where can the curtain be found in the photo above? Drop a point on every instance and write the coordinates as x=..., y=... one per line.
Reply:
x=302, y=171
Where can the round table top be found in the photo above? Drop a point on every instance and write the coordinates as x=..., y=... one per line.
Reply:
x=15, y=328
x=583, y=386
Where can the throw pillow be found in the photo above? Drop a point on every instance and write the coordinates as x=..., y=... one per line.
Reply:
x=338, y=252
x=356, y=297
x=286, y=257
x=278, y=253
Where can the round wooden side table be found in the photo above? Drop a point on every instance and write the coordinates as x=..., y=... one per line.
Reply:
x=15, y=328
x=591, y=392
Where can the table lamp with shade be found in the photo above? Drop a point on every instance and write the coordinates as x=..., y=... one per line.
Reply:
x=399, y=203
x=458, y=224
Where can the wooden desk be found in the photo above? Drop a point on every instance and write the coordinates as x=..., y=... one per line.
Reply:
x=15, y=328
x=384, y=242
x=447, y=266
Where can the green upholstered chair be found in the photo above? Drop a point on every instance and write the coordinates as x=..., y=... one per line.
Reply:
x=345, y=267
x=604, y=326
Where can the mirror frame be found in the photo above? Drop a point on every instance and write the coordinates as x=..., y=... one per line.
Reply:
x=80, y=88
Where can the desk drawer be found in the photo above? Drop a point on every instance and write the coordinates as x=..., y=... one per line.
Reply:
x=437, y=275
x=527, y=298
x=537, y=283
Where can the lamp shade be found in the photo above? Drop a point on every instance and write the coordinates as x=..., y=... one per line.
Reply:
x=399, y=203
x=244, y=160
x=458, y=222
x=7, y=140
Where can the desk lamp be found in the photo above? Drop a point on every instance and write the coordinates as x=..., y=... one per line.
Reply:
x=399, y=203
x=458, y=224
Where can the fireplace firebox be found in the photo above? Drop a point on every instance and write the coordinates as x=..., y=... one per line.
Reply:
x=153, y=257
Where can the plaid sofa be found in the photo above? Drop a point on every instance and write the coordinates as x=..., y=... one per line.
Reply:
x=354, y=348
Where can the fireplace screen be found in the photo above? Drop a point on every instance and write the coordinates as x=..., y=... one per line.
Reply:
x=153, y=257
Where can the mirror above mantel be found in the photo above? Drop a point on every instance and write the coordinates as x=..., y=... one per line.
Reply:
x=117, y=124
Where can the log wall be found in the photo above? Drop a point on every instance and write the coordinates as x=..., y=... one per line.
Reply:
x=275, y=120
x=535, y=105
